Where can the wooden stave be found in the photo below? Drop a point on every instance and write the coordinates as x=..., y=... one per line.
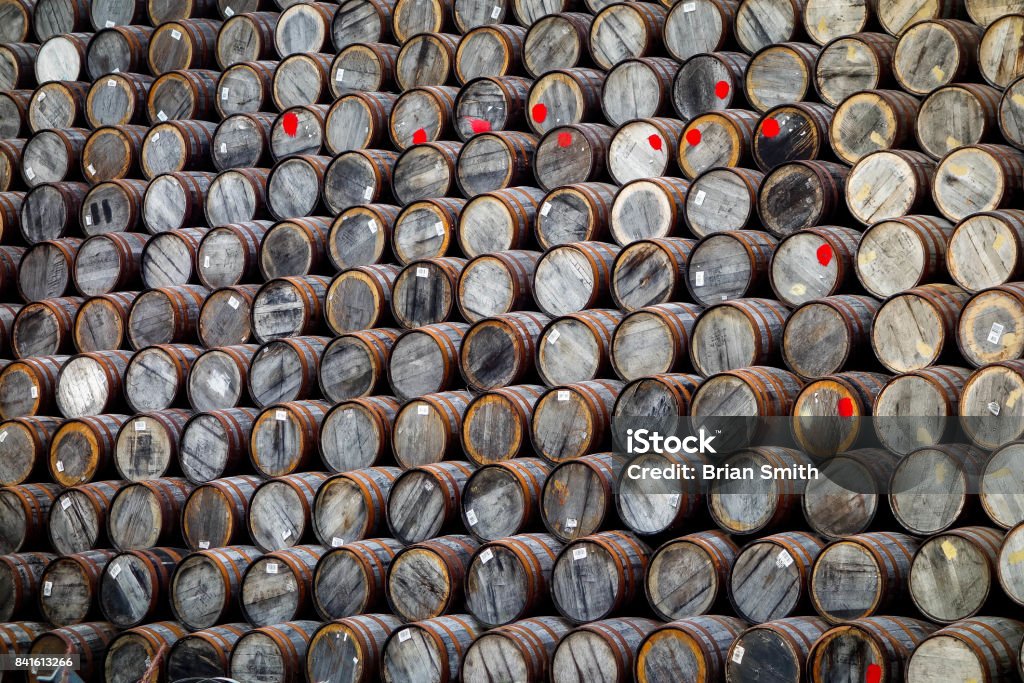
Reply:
x=889, y=641
x=597, y=397
x=306, y=350
x=721, y=552
x=169, y=494
x=373, y=557
x=39, y=432
x=416, y=442
x=158, y=565
x=454, y=553
x=829, y=176
x=447, y=339
x=600, y=325
x=842, y=247
x=598, y=497
x=855, y=312
x=877, y=47
x=237, y=425
x=381, y=411
x=305, y=417
x=528, y=475
x=372, y=485
x=450, y=478
x=43, y=373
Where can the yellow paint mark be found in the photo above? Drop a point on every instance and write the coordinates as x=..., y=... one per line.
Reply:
x=851, y=51
x=923, y=435
x=999, y=241
x=957, y=169
x=924, y=349
x=940, y=472
x=999, y=474
x=949, y=550
x=799, y=289
x=1013, y=397
x=952, y=142
x=862, y=193
x=877, y=139
x=866, y=257
x=938, y=73
x=1017, y=99
x=1016, y=557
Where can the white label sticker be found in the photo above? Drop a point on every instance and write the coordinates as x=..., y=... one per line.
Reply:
x=34, y=392
x=42, y=96
x=993, y=408
x=496, y=12
x=286, y=534
x=204, y=545
x=162, y=116
x=563, y=395
x=111, y=83
x=698, y=278
x=29, y=173
x=114, y=571
x=140, y=425
x=156, y=136
x=228, y=12
x=224, y=92
x=422, y=410
x=176, y=35
x=206, y=262
x=91, y=169
x=60, y=465
x=486, y=556
x=223, y=148
x=272, y=567
x=737, y=654
x=995, y=333
x=47, y=589
x=698, y=199
x=404, y=635
x=368, y=193
x=109, y=24
x=233, y=302
x=439, y=229
x=373, y=226
x=673, y=500
x=3, y=435
x=553, y=337
x=339, y=75
x=545, y=208
x=337, y=542
x=571, y=523
x=784, y=559
x=421, y=272
x=88, y=220
x=280, y=415
x=428, y=486
x=65, y=503
x=579, y=553
x=471, y=517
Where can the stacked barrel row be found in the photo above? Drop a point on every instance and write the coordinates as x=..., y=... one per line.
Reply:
x=324, y=312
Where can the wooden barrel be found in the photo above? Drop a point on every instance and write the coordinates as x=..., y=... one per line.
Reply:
x=575, y=213
x=426, y=499
x=954, y=573
x=157, y=376
x=722, y=199
x=764, y=22
x=276, y=587
x=983, y=250
x=986, y=647
x=24, y=447
x=626, y=31
x=109, y=262
x=61, y=55
x=411, y=18
x=494, y=50
x=24, y=511
x=44, y=271
x=872, y=120
x=365, y=66
x=522, y=564
x=814, y=263
x=428, y=229
x=175, y=199
x=361, y=235
x=931, y=488
x=70, y=585
x=431, y=433
x=615, y=559
x=579, y=496
x=362, y=21
x=357, y=120
x=247, y=37
x=497, y=283
x=289, y=307
x=11, y=204
x=425, y=360
x=224, y=319
x=605, y=648
x=576, y=347
x=203, y=653
x=10, y=162
x=652, y=340
x=933, y=310
x=562, y=97
x=426, y=579
x=556, y=39
x=574, y=277
x=695, y=647
x=183, y=44
x=14, y=104
x=649, y=504
x=186, y=94
x=771, y=576
x=17, y=24
x=91, y=383
x=828, y=335
x=780, y=73
x=766, y=504
x=986, y=332
x=216, y=443
x=89, y=641
x=293, y=189
x=572, y=154
x=285, y=370
x=716, y=138
x=113, y=206
x=521, y=650
x=244, y=88
x=351, y=506
x=850, y=61
x=214, y=513
x=354, y=364
x=750, y=328
x=78, y=522
x=146, y=514
x=113, y=152
x=957, y=198
x=426, y=59
x=954, y=45
x=50, y=211
x=1000, y=501
x=303, y=28
x=824, y=181
x=706, y=28
x=134, y=585
x=871, y=644
x=120, y=47
x=707, y=557
x=295, y=247
x=426, y=170
x=654, y=396
x=229, y=254
x=299, y=130
x=900, y=253
x=28, y=386
x=957, y=115
x=51, y=156
x=729, y=265
x=132, y=653
x=82, y=449
x=824, y=22
x=21, y=583
x=237, y=196
x=901, y=407
x=491, y=162
x=497, y=221
x=356, y=657
x=1009, y=564
x=709, y=82
x=356, y=433
x=207, y=584
x=350, y=579
x=496, y=423
x=424, y=292
x=903, y=191
x=148, y=447
x=55, y=105
x=573, y=420
x=219, y=378
x=169, y=258
x=178, y=145
x=284, y=437
x=273, y=653
x=491, y=103
x=1010, y=122
x=503, y=498
x=357, y=177
x=442, y=639
x=862, y=576
x=782, y=644
x=43, y=328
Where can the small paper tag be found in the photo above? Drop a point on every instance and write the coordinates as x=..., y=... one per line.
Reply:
x=204, y=545
x=59, y=465
x=233, y=302
x=109, y=24
x=156, y=136
x=439, y=229
x=784, y=559
x=206, y=262
x=339, y=75
x=421, y=272
x=571, y=523
x=286, y=534
x=471, y=517
x=280, y=415
x=404, y=635
x=673, y=500
x=3, y=436
x=373, y=226
x=993, y=408
x=34, y=392
x=698, y=278
x=114, y=571
x=737, y=654
x=995, y=333
x=29, y=173
x=428, y=486
x=422, y=410
x=91, y=169
x=486, y=556
x=689, y=6
x=698, y=198
x=88, y=220
x=368, y=193
x=111, y=82
x=162, y=116
x=65, y=503
x=579, y=553
x=337, y=542
x=545, y=209
x=176, y=34
x=563, y=395
x=553, y=337
x=228, y=12
x=272, y=567
x=47, y=588
x=224, y=92
x=140, y=425
x=42, y=96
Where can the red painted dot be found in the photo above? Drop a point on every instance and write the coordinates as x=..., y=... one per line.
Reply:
x=693, y=136
x=419, y=137
x=825, y=254
x=846, y=407
x=479, y=125
x=770, y=128
x=655, y=141
x=874, y=674
x=564, y=139
x=539, y=112
x=721, y=90
x=290, y=123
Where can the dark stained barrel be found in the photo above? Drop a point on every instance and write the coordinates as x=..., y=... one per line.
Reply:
x=214, y=514
x=356, y=656
x=134, y=585
x=216, y=443
x=782, y=644
x=89, y=641
x=350, y=579
x=880, y=644
x=132, y=653
x=21, y=583
x=29, y=386
x=848, y=496
x=426, y=59
x=204, y=653
x=272, y=652
x=615, y=560
x=45, y=270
